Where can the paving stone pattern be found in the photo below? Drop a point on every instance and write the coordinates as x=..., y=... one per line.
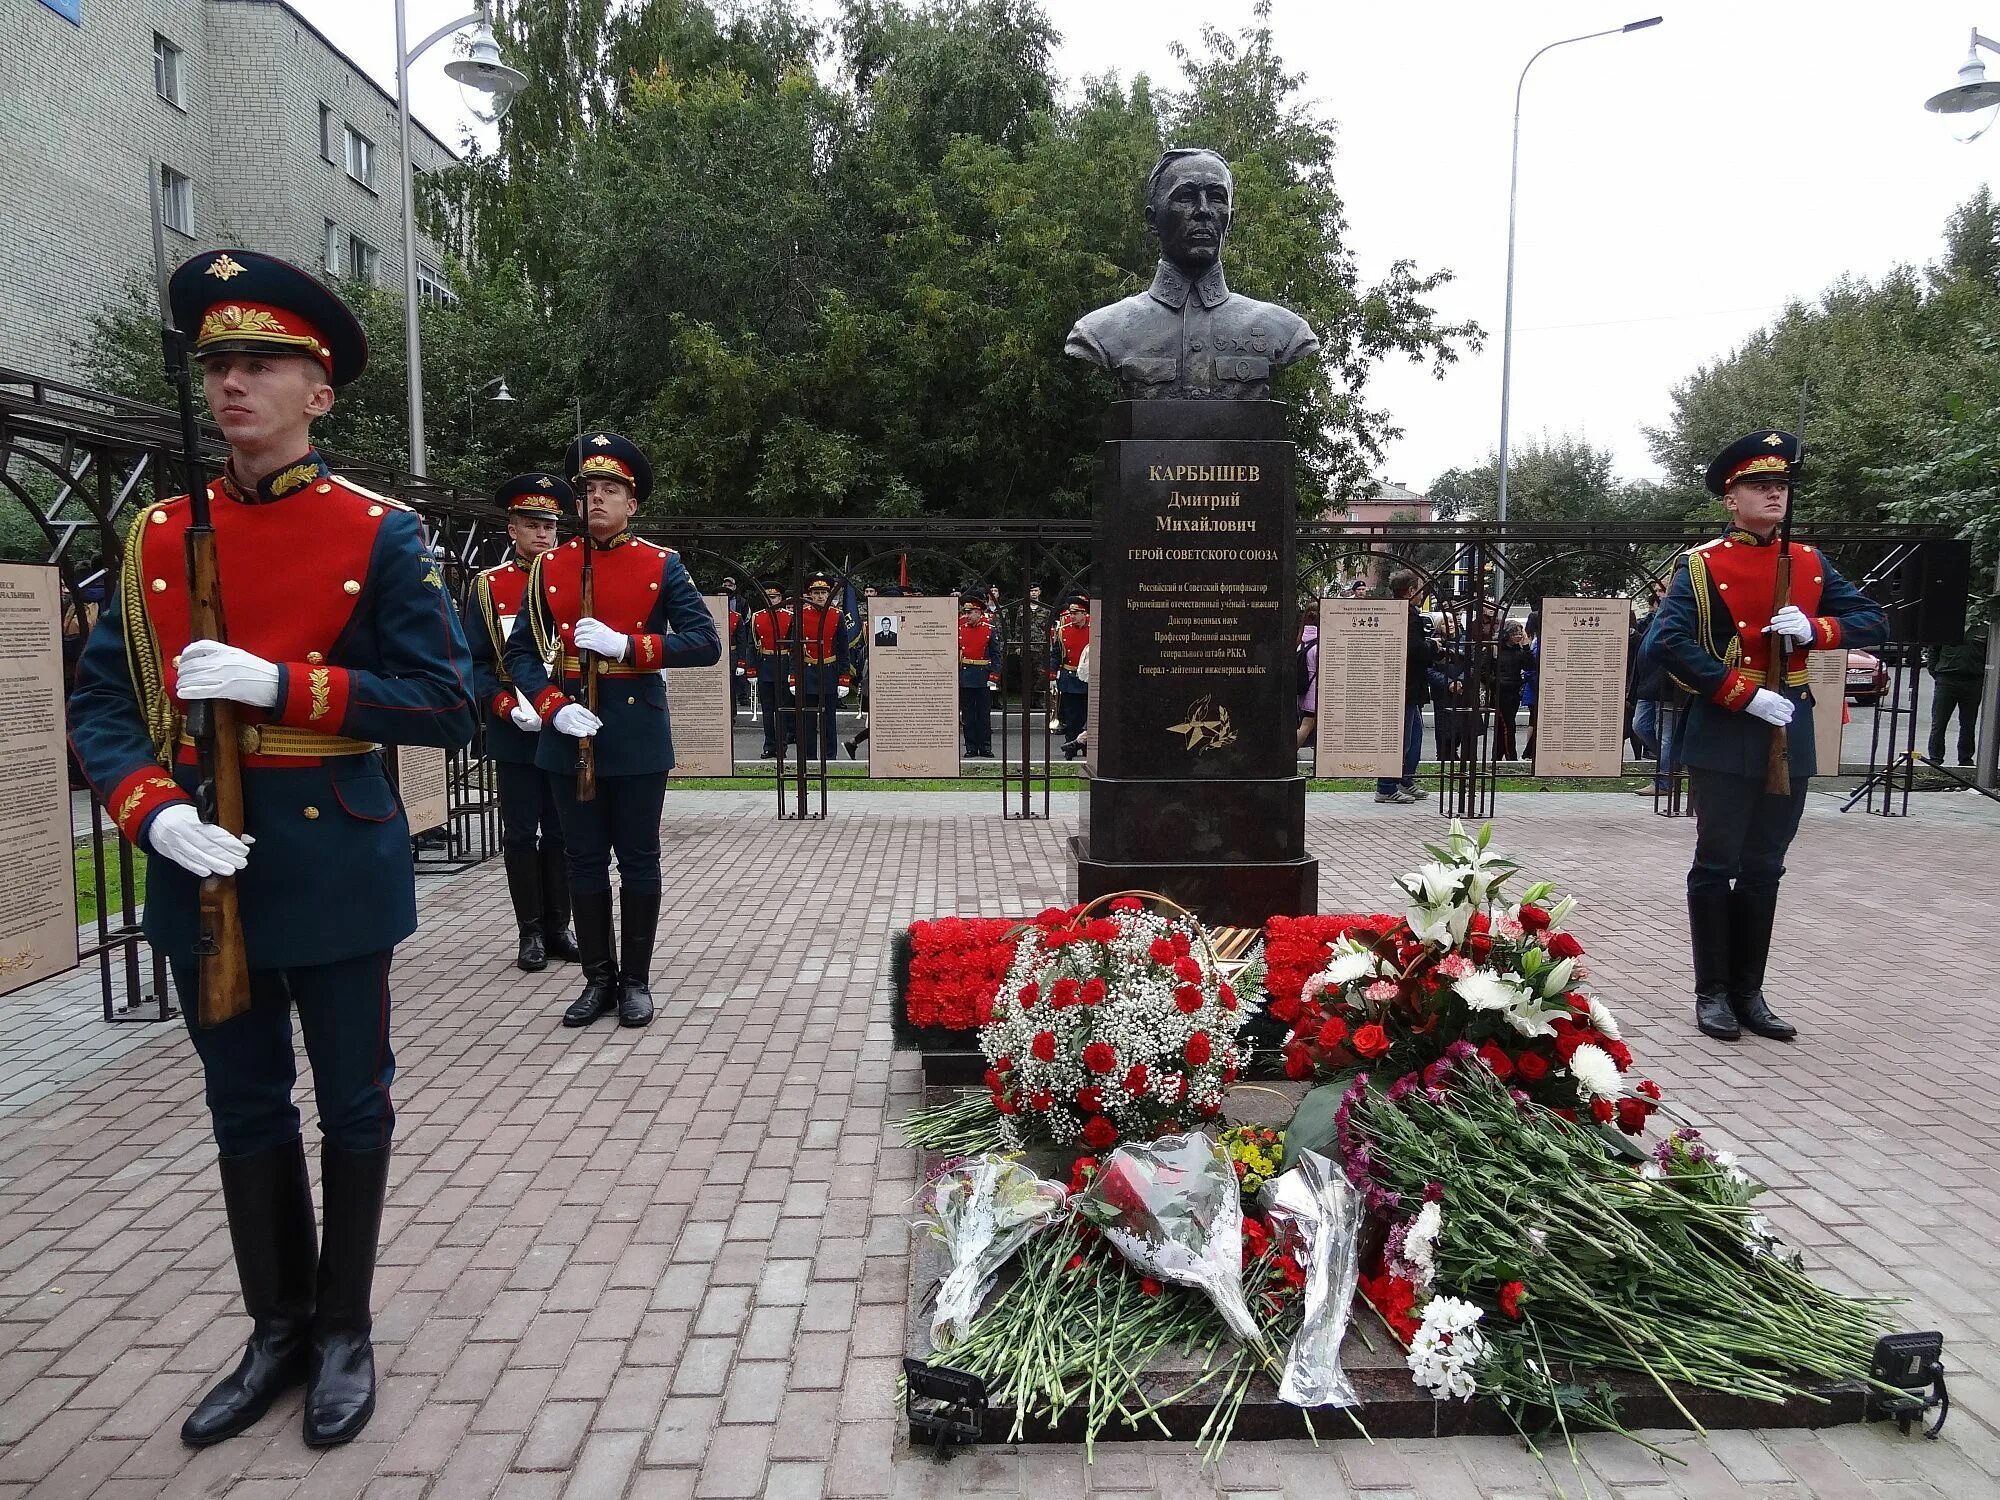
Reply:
x=672, y=1262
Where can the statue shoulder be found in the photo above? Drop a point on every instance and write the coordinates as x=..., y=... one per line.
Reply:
x=1292, y=338
x=1104, y=334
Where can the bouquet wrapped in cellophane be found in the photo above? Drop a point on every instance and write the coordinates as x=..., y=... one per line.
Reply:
x=1323, y=1212
x=981, y=1209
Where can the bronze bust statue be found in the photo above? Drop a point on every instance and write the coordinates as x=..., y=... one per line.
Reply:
x=1187, y=336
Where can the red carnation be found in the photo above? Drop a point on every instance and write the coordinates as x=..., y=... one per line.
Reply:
x=1371, y=1041
x=1649, y=1088
x=1090, y=1099
x=1064, y=993
x=1044, y=1046
x=1181, y=944
x=1101, y=930
x=1532, y=1066
x=1053, y=916
x=1128, y=903
x=994, y=1082
x=1093, y=991
x=1227, y=996
x=1080, y=1172
x=1287, y=1009
x=1197, y=1049
x=1150, y=1287
x=1497, y=1059
x=1533, y=918
x=1099, y=1057
x=1030, y=993
x=1333, y=1033
x=1601, y=1111
x=1513, y=1291
x=1562, y=945
x=1632, y=1115
x=984, y=1011
x=1135, y=1079
x=1188, y=999
x=1074, y=1263
x=1256, y=1238
x=1005, y=1063
x=1620, y=1053
x=1188, y=970
x=1160, y=951
x=1298, y=1066
x=1041, y=1101
x=1099, y=1133
x=1209, y=1111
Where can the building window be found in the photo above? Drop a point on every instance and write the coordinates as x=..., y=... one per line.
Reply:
x=433, y=288
x=326, y=132
x=167, y=72
x=330, y=255
x=360, y=158
x=362, y=259
x=176, y=200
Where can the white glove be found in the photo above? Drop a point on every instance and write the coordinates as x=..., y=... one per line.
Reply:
x=1773, y=708
x=840, y=692
x=739, y=671
x=525, y=717
x=595, y=636
x=1791, y=621
x=210, y=669
x=992, y=687
x=178, y=833
x=576, y=721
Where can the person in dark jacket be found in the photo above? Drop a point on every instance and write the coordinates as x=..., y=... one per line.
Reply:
x=1511, y=665
x=1404, y=585
x=1958, y=677
x=1656, y=705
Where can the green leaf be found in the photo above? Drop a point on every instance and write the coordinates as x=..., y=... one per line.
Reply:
x=1618, y=1143
x=1311, y=1128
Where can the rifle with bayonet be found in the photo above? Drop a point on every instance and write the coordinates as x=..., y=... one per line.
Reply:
x=586, y=748
x=223, y=968
x=1778, y=764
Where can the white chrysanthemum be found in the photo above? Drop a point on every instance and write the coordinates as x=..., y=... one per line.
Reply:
x=1595, y=1073
x=1420, y=1244
x=1603, y=1020
x=1485, y=989
x=1447, y=1348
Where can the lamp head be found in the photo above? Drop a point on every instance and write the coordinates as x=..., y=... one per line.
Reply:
x=503, y=394
x=481, y=71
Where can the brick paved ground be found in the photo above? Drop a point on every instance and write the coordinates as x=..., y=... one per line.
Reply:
x=672, y=1262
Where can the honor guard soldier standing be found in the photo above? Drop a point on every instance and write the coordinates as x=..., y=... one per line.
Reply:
x=824, y=636
x=342, y=640
x=1072, y=636
x=627, y=612
x=1717, y=634
x=978, y=672
x=770, y=643
x=537, y=874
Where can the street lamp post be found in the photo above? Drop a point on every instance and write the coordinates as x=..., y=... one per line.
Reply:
x=1513, y=189
x=482, y=71
x=503, y=394
x=1970, y=95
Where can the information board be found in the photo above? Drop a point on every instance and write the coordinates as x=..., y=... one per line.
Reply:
x=38, y=891
x=913, y=686
x=422, y=779
x=1826, y=675
x=701, y=706
x=1364, y=648
x=1580, y=687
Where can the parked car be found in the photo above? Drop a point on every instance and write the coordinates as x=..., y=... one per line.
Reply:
x=1867, y=678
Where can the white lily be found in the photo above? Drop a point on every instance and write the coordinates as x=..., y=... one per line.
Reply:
x=1556, y=981
x=1431, y=925
x=1433, y=882
x=1560, y=911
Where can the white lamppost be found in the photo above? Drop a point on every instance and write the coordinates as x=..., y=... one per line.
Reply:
x=482, y=71
x=1513, y=188
x=503, y=394
x=1973, y=94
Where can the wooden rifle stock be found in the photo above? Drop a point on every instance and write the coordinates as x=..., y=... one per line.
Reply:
x=586, y=748
x=223, y=991
x=1778, y=765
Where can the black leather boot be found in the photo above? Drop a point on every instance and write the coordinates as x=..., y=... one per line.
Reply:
x=524, y=889
x=1708, y=927
x=600, y=973
x=1751, y=914
x=639, y=921
x=270, y=1208
x=340, y=1386
x=556, y=941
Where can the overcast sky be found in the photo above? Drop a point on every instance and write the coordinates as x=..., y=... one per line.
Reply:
x=1678, y=184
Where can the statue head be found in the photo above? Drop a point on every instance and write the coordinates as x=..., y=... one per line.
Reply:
x=1189, y=200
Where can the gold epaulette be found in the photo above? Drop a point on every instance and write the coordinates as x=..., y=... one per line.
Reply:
x=367, y=494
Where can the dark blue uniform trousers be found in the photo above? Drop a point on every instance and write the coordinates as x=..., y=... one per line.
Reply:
x=528, y=807
x=1074, y=711
x=1741, y=831
x=624, y=817
x=247, y=1062
x=975, y=710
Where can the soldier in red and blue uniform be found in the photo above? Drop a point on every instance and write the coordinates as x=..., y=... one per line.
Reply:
x=646, y=616
x=825, y=638
x=531, y=840
x=978, y=672
x=1072, y=637
x=1714, y=633
x=767, y=657
x=342, y=640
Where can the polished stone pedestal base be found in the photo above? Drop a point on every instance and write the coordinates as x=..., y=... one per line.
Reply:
x=1242, y=893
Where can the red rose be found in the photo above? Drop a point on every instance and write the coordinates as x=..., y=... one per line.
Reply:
x=1333, y=1033
x=1532, y=1066
x=1533, y=919
x=1090, y=1099
x=1188, y=999
x=1371, y=1041
x=1093, y=991
x=1135, y=1079
x=1478, y=939
x=1601, y=1111
x=1044, y=1046
x=1562, y=945
x=1512, y=1292
x=1197, y=1049
x=1632, y=1115
x=1099, y=1133
x=1298, y=1066
x=1496, y=1059
x=1227, y=996
x=1099, y=1057
x=1160, y=951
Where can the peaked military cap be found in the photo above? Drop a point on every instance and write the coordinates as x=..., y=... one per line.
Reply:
x=608, y=455
x=536, y=495
x=1077, y=597
x=244, y=302
x=1755, y=455
x=818, y=581
x=973, y=596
